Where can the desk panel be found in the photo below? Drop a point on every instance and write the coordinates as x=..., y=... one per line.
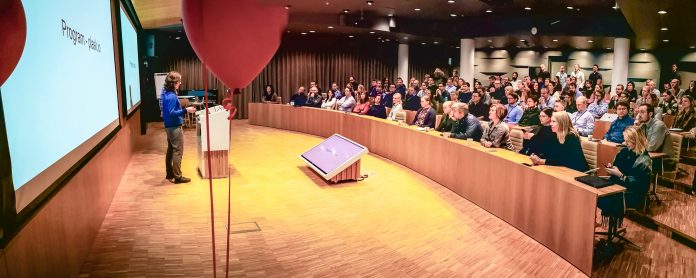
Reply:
x=544, y=202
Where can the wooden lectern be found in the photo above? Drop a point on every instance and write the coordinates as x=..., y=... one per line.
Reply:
x=219, y=142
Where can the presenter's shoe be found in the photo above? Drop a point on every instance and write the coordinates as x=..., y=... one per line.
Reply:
x=182, y=179
x=169, y=176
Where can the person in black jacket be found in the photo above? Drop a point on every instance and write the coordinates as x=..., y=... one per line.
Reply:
x=377, y=109
x=537, y=138
x=466, y=126
x=314, y=99
x=299, y=98
x=411, y=100
x=566, y=151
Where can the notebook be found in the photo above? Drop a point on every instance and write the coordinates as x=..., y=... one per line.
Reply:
x=594, y=181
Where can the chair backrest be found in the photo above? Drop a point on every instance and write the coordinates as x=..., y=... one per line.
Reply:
x=484, y=125
x=676, y=144
x=516, y=137
x=400, y=116
x=410, y=116
x=438, y=120
x=668, y=120
x=600, y=129
x=279, y=100
x=589, y=149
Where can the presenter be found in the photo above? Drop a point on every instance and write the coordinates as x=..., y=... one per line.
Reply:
x=173, y=116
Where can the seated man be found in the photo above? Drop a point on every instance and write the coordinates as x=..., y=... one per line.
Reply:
x=477, y=107
x=530, y=117
x=615, y=133
x=299, y=98
x=411, y=101
x=582, y=120
x=657, y=134
x=466, y=125
x=514, y=110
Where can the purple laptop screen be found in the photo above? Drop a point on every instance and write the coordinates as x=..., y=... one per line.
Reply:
x=331, y=153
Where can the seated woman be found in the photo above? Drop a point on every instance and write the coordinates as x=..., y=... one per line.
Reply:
x=530, y=116
x=570, y=107
x=363, y=105
x=599, y=104
x=631, y=169
x=446, y=122
x=425, y=117
x=377, y=109
x=686, y=117
x=330, y=101
x=536, y=139
x=347, y=102
x=566, y=150
x=269, y=95
x=497, y=134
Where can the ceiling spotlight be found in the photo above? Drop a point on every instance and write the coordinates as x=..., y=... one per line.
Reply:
x=662, y=12
x=379, y=38
x=327, y=3
x=177, y=38
x=555, y=40
x=665, y=40
x=608, y=48
x=458, y=47
x=569, y=7
x=642, y=49
x=453, y=15
x=417, y=9
x=351, y=36
x=664, y=29
x=369, y=3
x=528, y=8
x=386, y=40
x=590, y=41
x=345, y=11
x=490, y=40
x=303, y=33
x=692, y=47
x=489, y=11
x=287, y=7
x=405, y=38
x=522, y=40
x=450, y=1
x=330, y=27
x=312, y=31
x=372, y=32
x=436, y=42
x=423, y=43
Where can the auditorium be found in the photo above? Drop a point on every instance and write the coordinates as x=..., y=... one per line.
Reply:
x=351, y=138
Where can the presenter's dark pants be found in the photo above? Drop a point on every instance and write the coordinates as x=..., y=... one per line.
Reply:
x=175, y=150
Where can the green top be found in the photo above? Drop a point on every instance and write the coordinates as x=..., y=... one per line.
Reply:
x=530, y=117
x=445, y=124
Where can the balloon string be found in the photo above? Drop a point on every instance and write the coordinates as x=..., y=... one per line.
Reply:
x=210, y=174
x=229, y=192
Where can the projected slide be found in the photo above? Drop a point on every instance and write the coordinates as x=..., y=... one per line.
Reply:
x=129, y=37
x=61, y=99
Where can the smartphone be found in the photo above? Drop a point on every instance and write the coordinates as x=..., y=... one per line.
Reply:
x=526, y=164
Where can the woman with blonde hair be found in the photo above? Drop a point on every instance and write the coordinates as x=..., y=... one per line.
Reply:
x=631, y=169
x=566, y=150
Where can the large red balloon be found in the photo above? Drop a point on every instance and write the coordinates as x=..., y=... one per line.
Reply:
x=235, y=39
x=12, y=37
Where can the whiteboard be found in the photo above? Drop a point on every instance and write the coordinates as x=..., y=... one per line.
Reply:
x=159, y=83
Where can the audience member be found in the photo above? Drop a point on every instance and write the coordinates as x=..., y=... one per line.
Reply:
x=656, y=133
x=530, y=116
x=425, y=117
x=514, y=112
x=465, y=125
x=543, y=73
x=546, y=100
x=595, y=75
x=599, y=105
x=559, y=106
x=562, y=75
x=314, y=99
x=686, y=117
x=377, y=109
x=330, y=101
x=566, y=150
x=668, y=105
x=396, y=108
x=347, y=102
x=299, y=98
x=537, y=138
x=412, y=101
x=496, y=134
x=363, y=106
x=615, y=133
x=582, y=120
x=269, y=94
x=578, y=74
x=446, y=122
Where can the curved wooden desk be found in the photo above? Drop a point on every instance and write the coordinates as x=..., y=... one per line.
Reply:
x=544, y=202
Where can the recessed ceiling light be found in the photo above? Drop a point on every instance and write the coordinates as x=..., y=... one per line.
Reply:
x=453, y=15
x=662, y=12
x=528, y=8
x=330, y=27
x=417, y=9
x=304, y=33
x=458, y=47
x=590, y=41
x=405, y=38
x=450, y=1
x=555, y=40
x=372, y=32
x=369, y=3
x=287, y=7
x=436, y=42
x=390, y=14
x=386, y=39
x=546, y=46
x=665, y=40
x=642, y=49
x=327, y=3
x=664, y=29
x=490, y=40
x=178, y=38
x=522, y=40
x=345, y=11
x=489, y=11
x=608, y=48
x=423, y=43
x=350, y=36
x=569, y=7
x=379, y=38
x=692, y=47
x=312, y=31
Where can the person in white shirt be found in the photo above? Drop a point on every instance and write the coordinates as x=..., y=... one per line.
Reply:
x=347, y=102
x=396, y=108
x=562, y=76
x=582, y=120
x=546, y=100
x=578, y=74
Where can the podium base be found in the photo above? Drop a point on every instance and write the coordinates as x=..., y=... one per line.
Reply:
x=350, y=173
x=218, y=164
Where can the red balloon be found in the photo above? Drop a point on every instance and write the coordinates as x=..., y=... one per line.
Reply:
x=13, y=24
x=235, y=39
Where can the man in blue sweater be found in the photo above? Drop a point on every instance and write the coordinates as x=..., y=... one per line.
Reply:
x=173, y=116
x=615, y=133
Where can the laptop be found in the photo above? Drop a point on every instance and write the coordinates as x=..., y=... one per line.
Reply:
x=594, y=181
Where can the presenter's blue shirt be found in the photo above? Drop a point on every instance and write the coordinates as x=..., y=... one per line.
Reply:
x=172, y=113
